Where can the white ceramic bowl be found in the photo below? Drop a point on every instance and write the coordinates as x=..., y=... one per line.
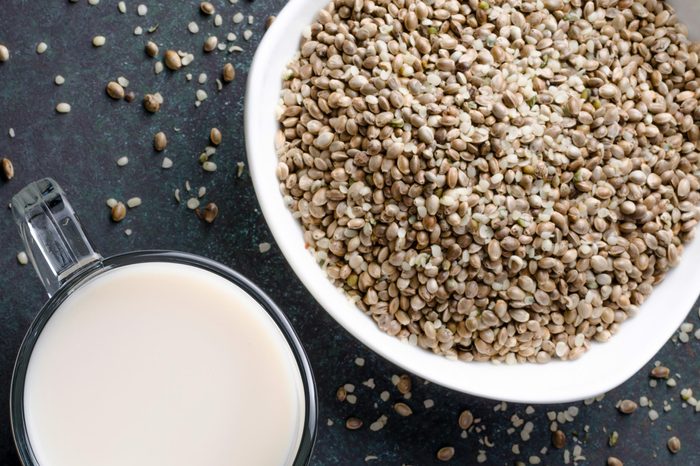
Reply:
x=602, y=368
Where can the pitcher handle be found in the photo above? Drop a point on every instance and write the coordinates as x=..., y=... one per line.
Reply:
x=53, y=238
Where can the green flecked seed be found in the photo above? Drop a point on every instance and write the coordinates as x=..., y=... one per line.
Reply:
x=612, y=440
x=397, y=123
x=597, y=104
x=352, y=280
x=484, y=5
x=586, y=94
x=432, y=30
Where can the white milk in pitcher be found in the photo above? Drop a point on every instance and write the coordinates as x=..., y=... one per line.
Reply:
x=162, y=364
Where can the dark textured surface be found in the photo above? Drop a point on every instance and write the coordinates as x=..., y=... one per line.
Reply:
x=80, y=149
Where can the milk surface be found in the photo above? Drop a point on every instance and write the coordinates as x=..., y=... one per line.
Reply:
x=162, y=364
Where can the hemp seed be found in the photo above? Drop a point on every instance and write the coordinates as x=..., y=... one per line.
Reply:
x=151, y=103
x=674, y=445
x=228, y=73
x=115, y=90
x=151, y=49
x=160, y=141
x=207, y=8
x=215, y=136
x=627, y=407
x=8, y=169
x=172, y=60
x=118, y=212
x=445, y=453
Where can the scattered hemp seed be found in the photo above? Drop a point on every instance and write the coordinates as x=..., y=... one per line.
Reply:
x=93, y=2
x=22, y=258
x=627, y=407
x=118, y=212
x=151, y=103
x=558, y=439
x=240, y=168
x=613, y=438
x=63, y=107
x=359, y=362
x=660, y=372
x=215, y=136
x=160, y=141
x=353, y=423
x=402, y=409
x=209, y=166
x=167, y=163
x=403, y=385
x=151, y=49
x=121, y=6
x=128, y=232
x=466, y=419
x=111, y=202
x=158, y=67
x=4, y=53
x=341, y=394
x=211, y=211
x=201, y=95
x=229, y=73
x=264, y=247
x=187, y=58
x=207, y=8
x=653, y=415
x=202, y=78
x=115, y=90
x=238, y=18
x=674, y=444
x=98, y=41
x=192, y=203
x=445, y=453
x=11, y=132
x=193, y=27
x=133, y=202
x=142, y=10
x=172, y=60
x=59, y=80
x=8, y=170
x=122, y=161
x=130, y=96
x=41, y=47
x=218, y=21
x=378, y=424
x=269, y=21
x=123, y=81
x=428, y=403
x=612, y=461
x=210, y=43
x=247, y=34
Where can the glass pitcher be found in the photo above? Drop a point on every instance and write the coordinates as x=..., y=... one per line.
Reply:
x=66, y=263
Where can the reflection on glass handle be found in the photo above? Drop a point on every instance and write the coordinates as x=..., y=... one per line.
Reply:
x=55, y=242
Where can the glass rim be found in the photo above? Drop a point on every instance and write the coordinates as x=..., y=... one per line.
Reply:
x=17, y=413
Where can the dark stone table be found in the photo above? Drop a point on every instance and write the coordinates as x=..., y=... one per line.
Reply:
x=80, y=150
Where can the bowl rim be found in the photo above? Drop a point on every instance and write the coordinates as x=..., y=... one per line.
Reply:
x=292, y=19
